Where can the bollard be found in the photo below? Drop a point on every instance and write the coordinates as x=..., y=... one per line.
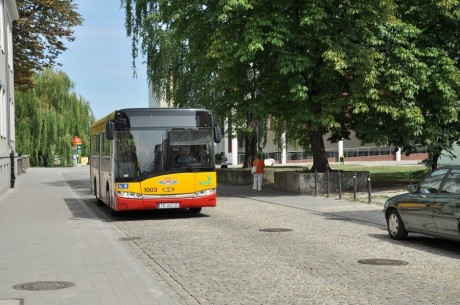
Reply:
x=13, y=175
x=354, y=186
x=327, y=183
x=340, y=187
x=316, y=182
x=369, y=187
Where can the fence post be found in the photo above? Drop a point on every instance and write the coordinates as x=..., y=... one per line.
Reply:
x=327, y=183
x=316, y=182
x=340, y=185
x=354, y=186
x=369, y=187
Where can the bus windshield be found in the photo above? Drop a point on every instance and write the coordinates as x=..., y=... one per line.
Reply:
x=140, y=154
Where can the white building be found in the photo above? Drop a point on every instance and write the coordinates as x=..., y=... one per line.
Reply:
x=8, y=14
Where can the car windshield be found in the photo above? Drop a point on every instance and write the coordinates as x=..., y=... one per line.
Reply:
x=433, y=181
x=148, y=153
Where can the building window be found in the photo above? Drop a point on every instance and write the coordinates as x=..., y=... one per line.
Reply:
x=3, y=115
x=9, y=42
x=11, y=122
x=2, y=26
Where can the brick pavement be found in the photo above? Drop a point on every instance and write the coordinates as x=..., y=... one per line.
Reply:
x=220, y=256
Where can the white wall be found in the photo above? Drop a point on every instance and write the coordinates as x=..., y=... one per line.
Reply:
x=8, y=13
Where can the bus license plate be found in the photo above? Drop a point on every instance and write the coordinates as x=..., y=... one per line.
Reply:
x=170, y=205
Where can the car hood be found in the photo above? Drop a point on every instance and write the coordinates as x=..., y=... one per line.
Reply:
x=396, y=198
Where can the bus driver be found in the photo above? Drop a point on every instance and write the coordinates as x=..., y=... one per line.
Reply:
x=185, y=156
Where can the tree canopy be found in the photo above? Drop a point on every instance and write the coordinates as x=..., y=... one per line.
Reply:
x=39, y=36
x=48, y=116
x=386, y=69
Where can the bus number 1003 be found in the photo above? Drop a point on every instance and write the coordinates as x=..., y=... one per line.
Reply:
x=150, y=189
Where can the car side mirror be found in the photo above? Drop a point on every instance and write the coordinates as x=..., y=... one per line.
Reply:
x=413, y=188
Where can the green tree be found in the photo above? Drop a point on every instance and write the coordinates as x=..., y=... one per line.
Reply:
x=48, y=116
x=416, y=101
x=317, y=67
x=181, y=71
x=39, y=36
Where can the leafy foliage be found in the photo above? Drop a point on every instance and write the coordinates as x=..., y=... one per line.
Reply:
x=48, y=116
x=39, y=34
x=386, y=69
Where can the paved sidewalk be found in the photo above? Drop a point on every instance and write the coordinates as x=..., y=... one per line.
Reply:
x=370, y=213
x=49, y=237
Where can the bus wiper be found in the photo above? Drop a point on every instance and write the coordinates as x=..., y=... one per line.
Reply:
x=190, y=166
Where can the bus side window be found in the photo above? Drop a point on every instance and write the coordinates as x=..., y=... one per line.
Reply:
x=129, y=165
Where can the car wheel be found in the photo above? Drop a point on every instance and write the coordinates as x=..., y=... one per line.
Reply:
x=195, y=210
x=395, y=226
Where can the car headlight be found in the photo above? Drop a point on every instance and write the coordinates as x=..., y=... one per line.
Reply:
x=128, y=195
x=205, y=192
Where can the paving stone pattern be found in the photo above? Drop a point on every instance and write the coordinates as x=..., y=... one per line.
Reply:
x=221, y=257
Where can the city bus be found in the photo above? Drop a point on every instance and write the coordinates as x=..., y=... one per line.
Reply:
x=154, y=158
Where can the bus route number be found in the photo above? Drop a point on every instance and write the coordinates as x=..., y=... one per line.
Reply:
x=150, y=189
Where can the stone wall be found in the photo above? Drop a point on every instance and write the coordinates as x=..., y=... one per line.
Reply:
x=311, y=183
x=297, y=181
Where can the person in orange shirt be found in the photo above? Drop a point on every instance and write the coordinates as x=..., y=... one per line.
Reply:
x=259, y=174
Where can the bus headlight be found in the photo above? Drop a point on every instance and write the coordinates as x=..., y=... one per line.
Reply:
x=129, y=195
x=205, y=192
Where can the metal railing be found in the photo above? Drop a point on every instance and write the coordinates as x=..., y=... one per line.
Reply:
x=334, y=153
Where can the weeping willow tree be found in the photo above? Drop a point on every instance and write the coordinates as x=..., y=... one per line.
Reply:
x=48, y=116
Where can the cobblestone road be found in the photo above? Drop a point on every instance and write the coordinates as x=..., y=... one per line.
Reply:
x=222, y=257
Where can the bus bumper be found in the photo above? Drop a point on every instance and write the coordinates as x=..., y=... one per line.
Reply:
x=128, y=204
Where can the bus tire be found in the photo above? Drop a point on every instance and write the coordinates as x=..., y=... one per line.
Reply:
x=109, y=203
x=194, y=210
x=98, y=200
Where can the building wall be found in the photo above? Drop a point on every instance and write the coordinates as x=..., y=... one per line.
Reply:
x=8, y=14
x=352, y=149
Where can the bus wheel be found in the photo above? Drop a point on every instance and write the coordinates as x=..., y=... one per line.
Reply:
x=98, y=200
x=109, y=203
x=194, y=210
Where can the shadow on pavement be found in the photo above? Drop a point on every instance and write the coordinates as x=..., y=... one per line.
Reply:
x=442, y=247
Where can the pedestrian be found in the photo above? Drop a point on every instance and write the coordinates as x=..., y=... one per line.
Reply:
x=224, y=161
x=259, y=173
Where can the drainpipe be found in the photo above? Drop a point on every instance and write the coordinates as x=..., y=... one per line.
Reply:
x=13, y=172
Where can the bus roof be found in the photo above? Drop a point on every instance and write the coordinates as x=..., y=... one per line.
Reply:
x=156, y=117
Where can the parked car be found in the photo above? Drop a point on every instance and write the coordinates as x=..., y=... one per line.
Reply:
x=431, y=207
x=269, y=162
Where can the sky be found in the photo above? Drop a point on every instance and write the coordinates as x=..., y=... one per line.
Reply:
x=99, y=61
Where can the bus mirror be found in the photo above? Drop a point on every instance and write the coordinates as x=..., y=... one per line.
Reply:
x=217, y=134
x=109, y=129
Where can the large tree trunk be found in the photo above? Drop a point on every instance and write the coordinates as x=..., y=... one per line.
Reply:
x=434, y=161
x=250, y=149
x=320, y=162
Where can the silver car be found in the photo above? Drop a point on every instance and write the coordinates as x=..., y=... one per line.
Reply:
x=431, y=207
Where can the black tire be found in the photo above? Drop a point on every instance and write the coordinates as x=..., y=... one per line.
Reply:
x=98, y=201
x=109, y=203
x=395, y=226
x=194, y=210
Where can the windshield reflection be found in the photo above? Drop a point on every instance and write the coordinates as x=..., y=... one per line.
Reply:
x=148, y=153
